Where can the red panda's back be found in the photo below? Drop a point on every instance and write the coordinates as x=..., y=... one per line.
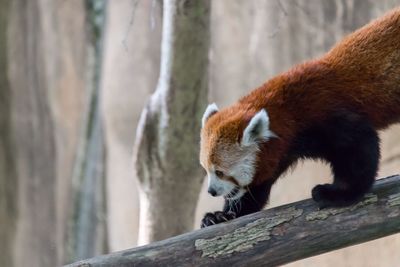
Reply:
x=373, y=49
x=361, y=73
x=368, y=60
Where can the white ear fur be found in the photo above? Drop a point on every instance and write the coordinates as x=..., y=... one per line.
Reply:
x=211, y=109
x=257, y=129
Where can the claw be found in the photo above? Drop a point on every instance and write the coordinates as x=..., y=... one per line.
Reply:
x=216, y=218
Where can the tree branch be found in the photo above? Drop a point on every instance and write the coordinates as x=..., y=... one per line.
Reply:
x=273, y=237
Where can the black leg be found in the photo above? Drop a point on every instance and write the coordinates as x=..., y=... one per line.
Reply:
x=252, y=201
x=352, y=148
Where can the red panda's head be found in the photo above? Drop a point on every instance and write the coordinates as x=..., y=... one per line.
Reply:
x=230, y=143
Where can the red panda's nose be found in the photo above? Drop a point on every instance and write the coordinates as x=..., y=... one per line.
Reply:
x=212, y=192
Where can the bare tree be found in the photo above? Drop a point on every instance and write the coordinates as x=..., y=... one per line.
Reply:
x=131, y=61
x=167, y=140
x=87, y=228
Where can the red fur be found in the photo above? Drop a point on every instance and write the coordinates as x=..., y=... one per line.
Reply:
x=361, y=73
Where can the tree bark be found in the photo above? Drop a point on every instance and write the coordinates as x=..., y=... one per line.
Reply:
x=273, y=237
x=166, y=147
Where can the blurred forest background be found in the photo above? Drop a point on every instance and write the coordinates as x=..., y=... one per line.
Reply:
x=74, y=78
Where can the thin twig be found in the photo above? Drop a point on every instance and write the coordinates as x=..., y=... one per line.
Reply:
x=130, y=25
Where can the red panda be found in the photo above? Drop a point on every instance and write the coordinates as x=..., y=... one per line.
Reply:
x=329, y=108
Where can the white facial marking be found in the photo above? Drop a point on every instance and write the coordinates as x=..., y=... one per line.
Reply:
x=257, y=129
x=211, y=109
x=244, y=170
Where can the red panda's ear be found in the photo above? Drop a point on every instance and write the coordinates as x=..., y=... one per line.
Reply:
x=257, y=130
x=211, y=110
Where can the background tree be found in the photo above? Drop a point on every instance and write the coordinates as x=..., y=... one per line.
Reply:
x=166, y=149
x=47, y=85
x=8, y=196
x=131, y=61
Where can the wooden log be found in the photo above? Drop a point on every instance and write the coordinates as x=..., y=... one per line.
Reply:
x=273, y=237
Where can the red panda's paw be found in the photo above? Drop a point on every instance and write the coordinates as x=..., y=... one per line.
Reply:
x=320, y=194
x=212, y=218
x=330, y=195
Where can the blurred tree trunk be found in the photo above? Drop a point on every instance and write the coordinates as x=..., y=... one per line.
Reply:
x=87, y=222
x=131, y=62
x=34, y=139
x=43, y=77
x=167, y=140
x=8, y=183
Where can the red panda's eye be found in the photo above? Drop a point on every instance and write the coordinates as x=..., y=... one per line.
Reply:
x=220, y=174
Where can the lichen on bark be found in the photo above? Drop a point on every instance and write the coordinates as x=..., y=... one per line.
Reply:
x=325, y=213
x=394, y=200
x=246, y=237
